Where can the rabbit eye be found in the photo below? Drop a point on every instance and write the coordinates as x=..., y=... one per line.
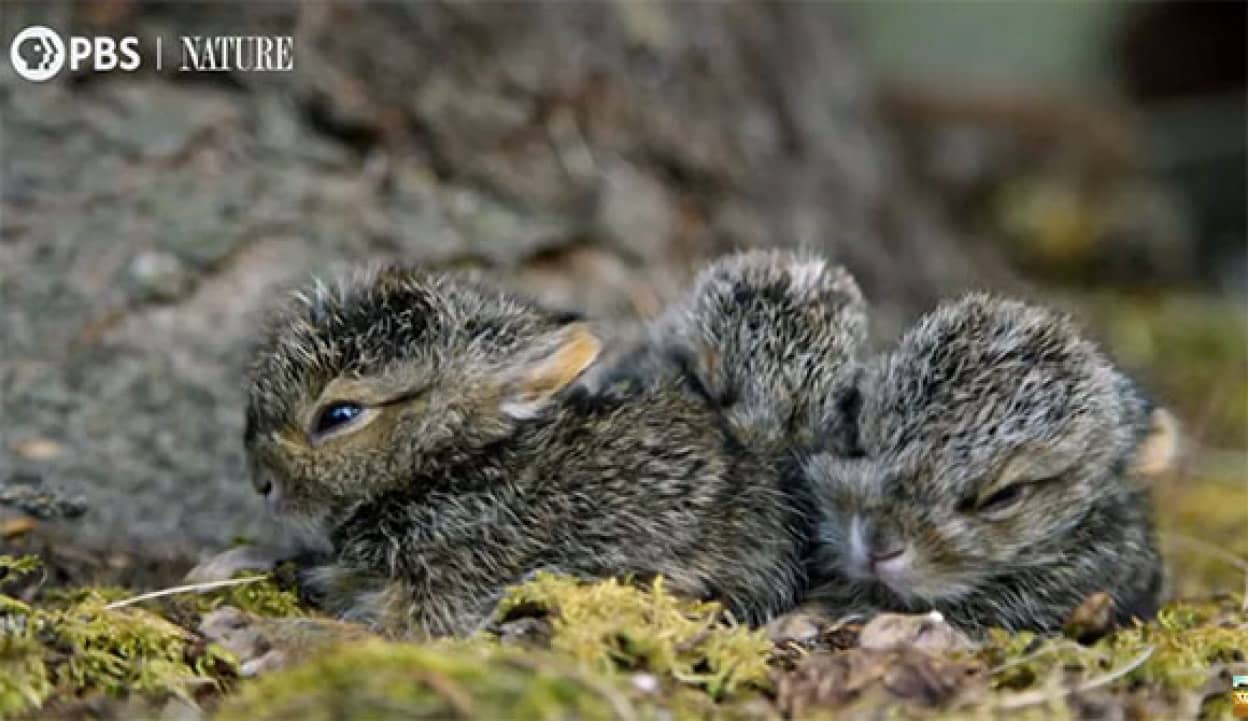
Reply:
x=337, y=415
x=1003, y=499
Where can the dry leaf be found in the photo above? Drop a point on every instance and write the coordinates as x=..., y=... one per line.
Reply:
x=871, y=677
x=927, y=632
x=38, y=449
x=1092, y=619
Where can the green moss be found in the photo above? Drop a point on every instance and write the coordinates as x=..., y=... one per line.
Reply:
x=611, y=625
x=604, y=649
x=384, y=680
x=603, y=637
x=1187, y=639
x=82, y=648
x=24, y=682
x=63, y=598
x=120, y=651
x=68, y=645
x=263, y=598
x=606, y=636
x=1163, y=660
x=13, y=568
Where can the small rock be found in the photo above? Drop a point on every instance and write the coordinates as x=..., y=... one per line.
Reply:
x=525, y=631
x=29, y=495
x=158, y=276
x=236, y=632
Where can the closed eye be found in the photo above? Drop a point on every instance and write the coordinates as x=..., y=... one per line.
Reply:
x=1006, y=498
x=1002, y=499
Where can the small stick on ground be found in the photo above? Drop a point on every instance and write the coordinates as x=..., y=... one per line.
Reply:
x=189, y=588
x=1032, y=698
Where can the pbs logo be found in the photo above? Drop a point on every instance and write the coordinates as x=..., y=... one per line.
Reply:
x=38, y=53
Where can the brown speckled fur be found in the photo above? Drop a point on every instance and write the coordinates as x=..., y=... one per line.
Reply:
x=448, y=494
x=994, y=447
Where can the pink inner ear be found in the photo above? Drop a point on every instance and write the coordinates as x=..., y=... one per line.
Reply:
x=577, y=351
x=574, y=355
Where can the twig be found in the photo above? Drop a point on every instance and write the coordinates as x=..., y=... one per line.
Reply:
x=1032, y=698
x=189, y=588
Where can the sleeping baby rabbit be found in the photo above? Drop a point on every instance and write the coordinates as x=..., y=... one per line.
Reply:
x=993, y=477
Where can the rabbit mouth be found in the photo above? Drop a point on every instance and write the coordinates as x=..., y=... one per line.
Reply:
x=889, y=565
x=901, y=574
x=884, y=558
x=895, y=572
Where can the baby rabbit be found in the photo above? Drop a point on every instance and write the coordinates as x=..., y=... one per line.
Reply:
x=431, y=426
x=991, y=477
x=769, y=337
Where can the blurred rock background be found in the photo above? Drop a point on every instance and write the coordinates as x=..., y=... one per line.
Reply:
x=1087, y=155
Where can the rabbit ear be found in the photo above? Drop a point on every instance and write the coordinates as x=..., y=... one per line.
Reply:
x=1158, y=452
x=576, y=348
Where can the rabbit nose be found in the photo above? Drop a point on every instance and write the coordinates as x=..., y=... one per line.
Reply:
x=884, y=543
x=887, y=554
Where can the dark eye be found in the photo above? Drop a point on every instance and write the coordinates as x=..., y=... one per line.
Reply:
x=1002, y=499
x=336, y=415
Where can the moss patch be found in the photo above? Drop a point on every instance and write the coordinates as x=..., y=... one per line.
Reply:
x=383, y=680
x=71, y=652
x=1161, y=669
x=606, y=649
x=266, y=597
x=614, y=626
x=13, y=568
x=24, y=682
